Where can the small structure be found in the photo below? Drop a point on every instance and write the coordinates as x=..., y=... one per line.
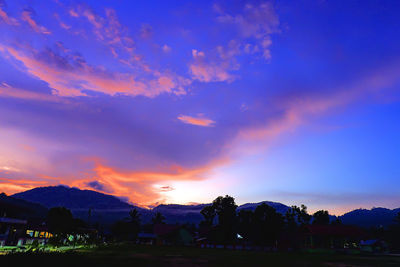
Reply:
x=11, y=230
x=332, y=236
x=146, y=238
x=39, y=234
x=169, y=234
x=373, y=246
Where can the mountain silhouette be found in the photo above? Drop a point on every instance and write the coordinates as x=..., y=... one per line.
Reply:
x=107, y=209
x=21, y=209
x=72, y=198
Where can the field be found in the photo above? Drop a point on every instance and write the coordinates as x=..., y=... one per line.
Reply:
x=135, y=255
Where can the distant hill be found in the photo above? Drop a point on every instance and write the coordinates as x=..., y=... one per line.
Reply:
x=107, y=209
x=372, y=217
x=21, y=209
x=71, y=198
x=279, y=207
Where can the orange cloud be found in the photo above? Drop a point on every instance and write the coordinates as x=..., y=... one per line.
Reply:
x=12, y=186
x=199, y=121
x=143, y=188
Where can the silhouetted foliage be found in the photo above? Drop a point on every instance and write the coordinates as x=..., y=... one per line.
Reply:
x=208, y=213
x=321, y=217
x=268, y=224
x=245, y=224
x=60, y=220
x=158, y=218
x=225, y=208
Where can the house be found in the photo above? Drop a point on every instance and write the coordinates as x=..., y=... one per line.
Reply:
x=169, y=234
x=332, y=236
x=11, y=230
x=146, y=238
x=373, y=246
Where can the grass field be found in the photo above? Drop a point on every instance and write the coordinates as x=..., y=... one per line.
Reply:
x=135, y=255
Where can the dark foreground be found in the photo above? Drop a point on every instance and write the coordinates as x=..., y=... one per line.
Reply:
x=135, y=255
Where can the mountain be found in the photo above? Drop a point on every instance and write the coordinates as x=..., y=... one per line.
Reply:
x=369, y=218
x=104, y=209
x=72, y=198
x=21, y=209
x=107, y=209
x=279, y=207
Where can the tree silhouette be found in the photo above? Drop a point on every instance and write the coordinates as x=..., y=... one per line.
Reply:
x=225, y=208
x=245, y=223
x=60, y=222
x=268, y=224
x=208, y=213
x=158, y=218
x=321, y=217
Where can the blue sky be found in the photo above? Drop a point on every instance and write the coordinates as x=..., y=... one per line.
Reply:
x=182, y=101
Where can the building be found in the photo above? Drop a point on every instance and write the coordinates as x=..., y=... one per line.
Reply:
x=11, y=230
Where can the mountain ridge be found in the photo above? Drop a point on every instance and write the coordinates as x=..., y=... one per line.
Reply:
x=108, y=208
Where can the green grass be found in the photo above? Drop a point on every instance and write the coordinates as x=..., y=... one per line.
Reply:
x=136, y=255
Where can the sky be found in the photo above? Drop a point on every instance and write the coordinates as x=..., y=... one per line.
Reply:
x=155, y=102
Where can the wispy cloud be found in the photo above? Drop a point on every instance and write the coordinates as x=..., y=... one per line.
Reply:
x=5, y=17
x=70, y=75
x=28, y=16
x=200, y=120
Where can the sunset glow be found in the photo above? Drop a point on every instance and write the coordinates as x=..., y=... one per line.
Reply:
x=155, y=102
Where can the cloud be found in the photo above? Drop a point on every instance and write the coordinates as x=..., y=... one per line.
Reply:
x=298, y=110
x=166, y=49
x=256, y=23
x=27, y=16
x=96, y=185
x=140, y=187
x=146, y=31
x=70, y=75
x=11, y=92
x=108, y=30
x=200, y=120
x=5, y=17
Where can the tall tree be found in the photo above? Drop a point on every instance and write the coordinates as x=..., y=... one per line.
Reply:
x=208, y=213
x=321, y=217
x=268, y=224
x=158, y=218
x=225, y=208
x=60, y=222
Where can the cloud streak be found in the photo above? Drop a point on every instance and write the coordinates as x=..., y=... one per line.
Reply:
x=198, y=121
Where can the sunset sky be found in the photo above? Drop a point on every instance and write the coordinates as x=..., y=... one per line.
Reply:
x=182, y=101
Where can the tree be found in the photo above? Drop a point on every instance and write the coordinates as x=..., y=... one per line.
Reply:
x=208, y=213
x=268, y=224
x=158, y=218
x=59, y=220
x=134, y=222
x=245, y=222
x=302, y=216
x=321, y=217
x=225, y=208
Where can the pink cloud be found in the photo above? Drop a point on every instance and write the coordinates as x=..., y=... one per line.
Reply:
x=6, y=18
x=27, y=15
x=8, y=91
x=206, y=70
x=199, y=120
x=69, y=75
